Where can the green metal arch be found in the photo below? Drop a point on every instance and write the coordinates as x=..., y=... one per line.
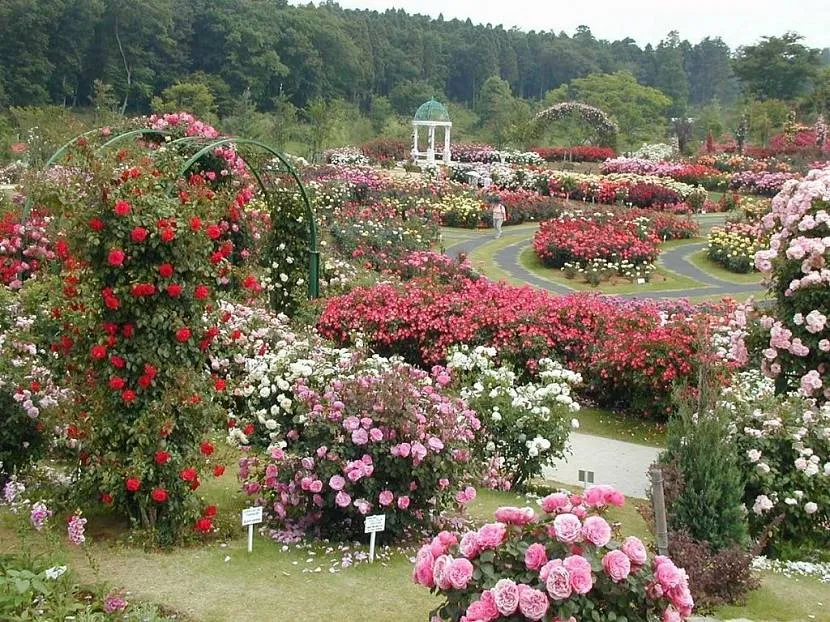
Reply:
x=314, y=251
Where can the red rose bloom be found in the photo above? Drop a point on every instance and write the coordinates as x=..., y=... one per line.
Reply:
x=109, y=327
x=150, y=370
x=250, y=282
x=248, y=429
x=98, y=352
x=106, y=498
x=118, y=362
x=219, y=470
x=204, y=525
x=128, y=330
x=206, y=448
x=219, y=384
x=117, y=383
x=183, y=334
x=166, y=270
x=167, y=235
x=195, y=484
x=209, y=511
x=213, y=231
x=162, y=457
x=174, y=290
x=216, y=257
x=116, y=257
x=231, y=423
x=133, y=484
x=138, y=234
x=195, y=223
x=145, y=381
x=122, y=208
x=128, y=396
x=96, y=224
x=201, y=292
x=189, y=474
x=159, y=495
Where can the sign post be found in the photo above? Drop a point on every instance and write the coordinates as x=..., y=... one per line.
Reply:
x=250, y=517
x=373, y=525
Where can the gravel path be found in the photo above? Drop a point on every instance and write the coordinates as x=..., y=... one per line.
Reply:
x=618, y=463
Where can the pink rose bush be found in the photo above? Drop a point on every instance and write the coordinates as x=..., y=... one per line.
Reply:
x=559, y=563
x=798, y=354
x=345, y=436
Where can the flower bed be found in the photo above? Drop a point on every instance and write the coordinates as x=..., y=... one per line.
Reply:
x=692, y=174
x=628, y=353
x=576, y=153
x=734, y=246
x=24, y=247
x=560, y=564
x=581, y=241
x=763, y=183
x=382, y=149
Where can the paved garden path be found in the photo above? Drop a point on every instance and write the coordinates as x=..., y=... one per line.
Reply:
x=618, y=463
x=675, y=259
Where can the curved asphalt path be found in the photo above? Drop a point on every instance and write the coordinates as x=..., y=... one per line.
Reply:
x=675, y=260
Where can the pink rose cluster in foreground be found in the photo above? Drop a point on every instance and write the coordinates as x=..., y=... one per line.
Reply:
x=562, y=562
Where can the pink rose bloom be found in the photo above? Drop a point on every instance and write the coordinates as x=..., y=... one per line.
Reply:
x=506, y=595
x=366, y=422
x=435, y=443
x=363, y=506
x=580, y=571
x=351, y=423
x=443, y=483
x=419, y=452
x=636, y=551
x=439, y=572
x=666, y=573
x=555, y=503
x=601, y=496
x=596, y=530
x=617, y=565
x=336, y=482
x=442, y=542
x=308, y=463
x=459, y=573
x=533, y=604
x=544, y=571
x=515, y=516
x=316, y=486
x=386, y=497
x=342, y=499
x=404, y=450
x=536, y=556
x=422, y=575
x=376, y=435
x=492, y=535
x=466, y=495
x=469, y=545
x=558, y=582
x=403, y=502
x=567, y=528
x=483, y=609
x=360, y=437
x=671, y=615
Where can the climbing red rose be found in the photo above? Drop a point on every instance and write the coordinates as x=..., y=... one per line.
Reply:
x=159, y=495
x=204, y=525
x=183, y=334
x=116, y=257
x=162, y=457
x=213, y=231
x=219, y=470
x=166, y=270
x=206, y=447
x=189, y=474
x=133, y=484
x=122, y=208
x=138, y=234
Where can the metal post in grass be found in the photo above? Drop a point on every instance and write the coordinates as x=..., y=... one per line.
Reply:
x=659, y=503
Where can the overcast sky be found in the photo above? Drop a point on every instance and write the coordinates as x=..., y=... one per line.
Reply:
x=738, y=22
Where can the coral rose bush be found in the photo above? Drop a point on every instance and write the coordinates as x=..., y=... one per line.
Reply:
x=557, y=564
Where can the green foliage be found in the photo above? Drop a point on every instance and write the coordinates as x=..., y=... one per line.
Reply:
x=709, y=506
x=191, y=97
x=777, y=67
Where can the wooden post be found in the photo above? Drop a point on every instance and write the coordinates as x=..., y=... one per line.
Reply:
x=659, y=504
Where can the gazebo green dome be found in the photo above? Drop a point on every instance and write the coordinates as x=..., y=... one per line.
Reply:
x=432, y=111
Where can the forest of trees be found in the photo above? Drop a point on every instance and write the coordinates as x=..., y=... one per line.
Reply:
x=227, y=59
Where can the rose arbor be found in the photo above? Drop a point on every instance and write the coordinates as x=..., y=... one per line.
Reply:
x=157, y=229
x=430, y=115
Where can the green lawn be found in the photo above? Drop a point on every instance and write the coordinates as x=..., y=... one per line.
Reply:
x=782, y=599
x=702, y=261
x=620, y=426
x=666, y=280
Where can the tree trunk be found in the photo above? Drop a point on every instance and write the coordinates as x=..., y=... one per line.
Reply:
x=126, y=69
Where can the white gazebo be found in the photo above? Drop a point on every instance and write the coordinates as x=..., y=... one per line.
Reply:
x=430, y=115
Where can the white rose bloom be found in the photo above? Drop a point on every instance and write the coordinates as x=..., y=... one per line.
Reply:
x=810, y=507
x=270, y=424
x=753, y=454
x=575, y=424
x=763, y=467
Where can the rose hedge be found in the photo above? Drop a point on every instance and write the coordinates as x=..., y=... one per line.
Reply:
x=576, y=153
x=628, y=353
x=561, y=564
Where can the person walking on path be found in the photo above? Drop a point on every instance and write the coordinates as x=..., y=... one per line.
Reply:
x=499, y=214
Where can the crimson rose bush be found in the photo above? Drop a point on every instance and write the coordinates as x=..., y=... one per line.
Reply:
x=561, y=564
x=140, y=273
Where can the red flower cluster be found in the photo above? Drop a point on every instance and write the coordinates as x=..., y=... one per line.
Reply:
x=581, y=240
x=628, y=356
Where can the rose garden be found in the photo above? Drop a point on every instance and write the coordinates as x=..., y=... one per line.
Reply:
x=191, y=326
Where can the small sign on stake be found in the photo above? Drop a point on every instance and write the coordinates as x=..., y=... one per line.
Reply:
x=374, y=524
x=250, y=517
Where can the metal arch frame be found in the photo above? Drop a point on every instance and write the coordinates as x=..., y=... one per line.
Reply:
x=314, y=251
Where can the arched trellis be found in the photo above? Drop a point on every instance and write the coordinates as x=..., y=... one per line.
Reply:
x=314, y=251
x=606, y=128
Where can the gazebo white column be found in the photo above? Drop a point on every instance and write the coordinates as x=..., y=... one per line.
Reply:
x=431, y=148
x=447, y=154
x=415, y=143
